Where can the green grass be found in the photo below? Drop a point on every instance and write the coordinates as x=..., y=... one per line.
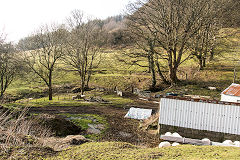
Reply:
x=60, y=100
x=22, y=91
x=117, y=101
x=126, y=151
x=199, y=89
x=66, y=100
x=119, y=150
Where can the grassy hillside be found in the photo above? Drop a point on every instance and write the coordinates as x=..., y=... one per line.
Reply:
x=119, y=150
x=111, y=73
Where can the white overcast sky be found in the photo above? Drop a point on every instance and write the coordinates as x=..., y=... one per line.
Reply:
x=19, y=18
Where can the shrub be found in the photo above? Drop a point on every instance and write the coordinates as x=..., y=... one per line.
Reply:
x=19, y=129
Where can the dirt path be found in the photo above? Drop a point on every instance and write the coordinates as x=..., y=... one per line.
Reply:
x=120, y=128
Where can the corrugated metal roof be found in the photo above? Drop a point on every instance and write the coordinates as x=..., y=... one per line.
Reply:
x=200, y=100
x=233, y=90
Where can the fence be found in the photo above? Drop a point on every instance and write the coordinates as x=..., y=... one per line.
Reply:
x=199, y=115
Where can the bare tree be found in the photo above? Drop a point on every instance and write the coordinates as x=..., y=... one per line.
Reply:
x=172, y=24
x=83, y=45
x=9, y=67
x=27, y=43
x=145, y=41
x=230, y=15
x=42, y=61
x=203, y=43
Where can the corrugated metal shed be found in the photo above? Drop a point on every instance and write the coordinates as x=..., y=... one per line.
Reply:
x=233, y=90
x=202, y=115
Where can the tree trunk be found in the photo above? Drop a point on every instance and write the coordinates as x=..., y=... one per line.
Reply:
x=1, y=95
x=153, y=72
x=149, y=63
x=211, y=55
x=160, y=73
x=82, y=83
x=50, y=92
x=200, y=62
x=234, y=76
x=2, y=90
x=204, y=62
x=88, y=78
x=204, y=58
x=173, y=75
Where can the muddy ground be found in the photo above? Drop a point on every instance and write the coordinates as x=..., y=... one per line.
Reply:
x=120, y=128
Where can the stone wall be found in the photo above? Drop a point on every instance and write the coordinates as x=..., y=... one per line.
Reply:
x=198, y=134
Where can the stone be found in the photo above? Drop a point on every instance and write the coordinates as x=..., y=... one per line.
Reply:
x=75, y=139
x=59, y=144
x=136, y=91
x=100, y=89
x=146, y=94
x=78, y=97
x=125, y=134
x=158, y=96
x=92, y=129
x=100, y=126
x=97, y=126
x=97, y=99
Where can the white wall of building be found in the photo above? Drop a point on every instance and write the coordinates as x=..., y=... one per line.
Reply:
x=229, y=98
x=200, y=115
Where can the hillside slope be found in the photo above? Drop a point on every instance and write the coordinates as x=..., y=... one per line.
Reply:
x=119, y=150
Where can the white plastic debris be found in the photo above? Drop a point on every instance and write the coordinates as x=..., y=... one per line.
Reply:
x=175, y=144
x=175, y=134
x=206, y=140
x=236, y=143
x=168, y=134
x=228, y=142
x=212, y=88
x=164, y=144
x=223, y=144
x=138, y=113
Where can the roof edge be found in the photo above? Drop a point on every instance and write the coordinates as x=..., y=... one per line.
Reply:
x=228, y=88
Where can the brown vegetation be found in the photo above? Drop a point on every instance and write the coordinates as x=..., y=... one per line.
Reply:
x=16, y=129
